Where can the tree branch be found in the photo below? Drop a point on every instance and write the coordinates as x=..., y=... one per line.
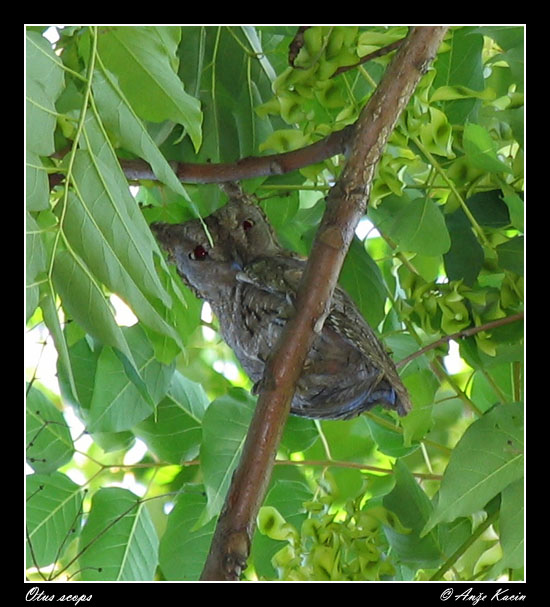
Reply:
x=346, y=204
x=377, y=53
x=247, y=168
x=460, y=335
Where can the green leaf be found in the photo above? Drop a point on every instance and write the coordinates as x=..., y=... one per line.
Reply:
x=488, y=457
x=284, y=140
x=82, y=358
x=512, y=513
x=493, y=384
x=436, y=135
x=51, y=320
x=144, y=60
x=114, y=441
x=413, y=508
x=35, y=263
x=422, y=386
x=389, y=441
x=516, y=209
x=447, y=93
x=288, y=498
x=480, y=150
x=515, y=57
x=254, y=41
x=116, y=403
x=465, y=257
x=420, y=227
x=506, y=36
x=119, y=541
x=54, y=508
x=510, y=255
x=119, y=118
x=299, y=433
x=227, y=71
x=282, y=211
x=36, y=183
x=84, y=300
x=348, y=442
x=225, y=425
x=362, y=280
x=489, y=209
x=48, y=439
x=174, y=431
x=45, y=81
x=461, y=65
x=183, y=549
x=294, y=226
x=104, y=226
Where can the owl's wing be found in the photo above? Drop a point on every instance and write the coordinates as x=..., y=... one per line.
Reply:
x=282, y=275
x=277, y=274
x=346, y=319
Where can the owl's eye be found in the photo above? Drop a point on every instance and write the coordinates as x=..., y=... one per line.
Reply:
x=247, y=224
x=198, y=253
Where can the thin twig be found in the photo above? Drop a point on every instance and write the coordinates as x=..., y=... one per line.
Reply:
x=438, y=575
x=377, y=53
x=343, y=464
x=296, y=44
x=461, y=335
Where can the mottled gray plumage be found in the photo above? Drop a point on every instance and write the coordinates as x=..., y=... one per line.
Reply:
x=250, y=282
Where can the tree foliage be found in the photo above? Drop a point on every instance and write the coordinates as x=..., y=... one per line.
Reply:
x=437, y=494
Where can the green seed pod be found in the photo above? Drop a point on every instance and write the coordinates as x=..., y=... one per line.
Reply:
x=272, y=524
x=313, y=40
x=335, y=42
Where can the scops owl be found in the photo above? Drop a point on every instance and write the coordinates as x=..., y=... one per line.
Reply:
x=250, y=281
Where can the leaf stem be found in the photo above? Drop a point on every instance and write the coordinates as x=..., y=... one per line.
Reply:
x=386, y=424
x=464, y=206
x=72, y=154
x=355, y=465
x=438, y=575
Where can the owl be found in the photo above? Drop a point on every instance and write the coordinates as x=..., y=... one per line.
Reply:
x=233, y=260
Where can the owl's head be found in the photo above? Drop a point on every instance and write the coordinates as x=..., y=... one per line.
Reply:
x=239, y=233
x=247, y=229
x=204, y=261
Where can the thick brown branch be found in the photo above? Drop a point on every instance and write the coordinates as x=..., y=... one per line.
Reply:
x=345, y=206
x=247, y=168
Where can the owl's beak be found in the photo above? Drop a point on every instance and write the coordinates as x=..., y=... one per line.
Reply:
x=237, y=263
